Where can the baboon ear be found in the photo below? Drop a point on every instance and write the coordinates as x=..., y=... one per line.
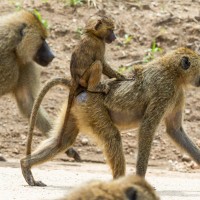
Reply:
x=185, y=62
x=131, y=193
x=22, y=28
x=99, y=22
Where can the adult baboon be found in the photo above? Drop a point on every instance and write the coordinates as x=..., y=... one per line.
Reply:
x=156, y=93
x=22, y=45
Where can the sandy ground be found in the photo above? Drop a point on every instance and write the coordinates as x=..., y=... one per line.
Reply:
x=61, y=178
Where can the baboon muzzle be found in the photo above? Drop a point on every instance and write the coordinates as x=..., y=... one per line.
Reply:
x=44, y=55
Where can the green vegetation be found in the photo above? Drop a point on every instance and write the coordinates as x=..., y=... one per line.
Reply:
x=151, y=52
x=127, y=39
x=122, y=69
x=79, y=31
x=45, y=1
x=43, y=21
x=74, y=2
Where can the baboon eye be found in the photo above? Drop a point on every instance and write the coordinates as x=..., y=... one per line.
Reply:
x=185, y=63
x=131, y=193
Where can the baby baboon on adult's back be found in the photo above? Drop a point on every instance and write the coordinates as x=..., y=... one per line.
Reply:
x=158, y=92
x=88, y=60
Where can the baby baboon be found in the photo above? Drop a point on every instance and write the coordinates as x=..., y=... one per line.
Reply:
x=126, y=188
x=22, y=45
x=88, y=62
x=156, y=93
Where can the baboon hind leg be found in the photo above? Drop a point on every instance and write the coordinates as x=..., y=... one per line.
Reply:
x=48, y=149
x=92, y=77
x=113, y=151
x=109, y=137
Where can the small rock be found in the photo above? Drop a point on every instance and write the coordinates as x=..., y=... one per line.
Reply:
x=186, y=158
x=84, y=141
x=162, y=148
x=187, y=111
x=2, y=159
x=129, y=134
x=15, y=151
x=98, y=151
x=194, y=165
x=146, y=7
x=198, y=143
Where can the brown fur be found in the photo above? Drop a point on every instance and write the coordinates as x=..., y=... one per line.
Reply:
x=22, y=35
x=156, y=94
x=126, y=188
x=88, y=62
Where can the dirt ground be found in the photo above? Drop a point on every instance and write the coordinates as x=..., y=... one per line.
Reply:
x=62, y=177
x=138, y=24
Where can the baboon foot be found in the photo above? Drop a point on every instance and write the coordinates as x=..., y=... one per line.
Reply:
x=28, y=176
x=72, y=153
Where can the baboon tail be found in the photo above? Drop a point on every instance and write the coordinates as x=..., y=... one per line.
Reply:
x=36, y=105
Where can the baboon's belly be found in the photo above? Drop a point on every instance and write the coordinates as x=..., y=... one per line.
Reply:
x=124, y=120
x=88, y=107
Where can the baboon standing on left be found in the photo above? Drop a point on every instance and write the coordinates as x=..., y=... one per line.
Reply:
x=22, y=45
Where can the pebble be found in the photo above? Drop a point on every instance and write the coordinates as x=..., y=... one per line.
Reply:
x=98, y=151
x=2, y=159
x=187, y=111
x=84, y=141
x=186, y=158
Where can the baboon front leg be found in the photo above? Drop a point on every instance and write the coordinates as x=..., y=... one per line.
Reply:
x=147, y=129
x=47, y=150
x=178, y=135
x=92, y=77
x=25, y=94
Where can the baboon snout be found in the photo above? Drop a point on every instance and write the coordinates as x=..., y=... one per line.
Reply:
x=44, y=55
x=110, y=38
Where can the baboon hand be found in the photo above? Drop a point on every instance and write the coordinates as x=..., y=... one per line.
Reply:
x=121, y=77
x=106, y=88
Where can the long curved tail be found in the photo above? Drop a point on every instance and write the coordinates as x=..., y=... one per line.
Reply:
x=36, y=105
